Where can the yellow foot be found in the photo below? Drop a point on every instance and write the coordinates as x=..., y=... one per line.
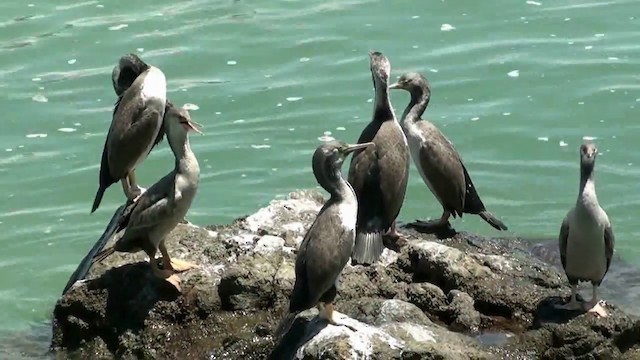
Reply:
x=180, y=265
x=175, y=281
x=139, y=192
x=597, y=310
x=328, y=314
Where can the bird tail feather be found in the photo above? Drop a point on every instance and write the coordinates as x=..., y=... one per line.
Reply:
x=99, y=257
x=368, y=248
x=98, y=199
x=492, y=220
x=285, y=325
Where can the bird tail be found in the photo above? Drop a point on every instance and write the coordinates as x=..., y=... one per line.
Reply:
x=98, y=198
x=285, y=325
x=367, y=248
x=99, y=257
x=492, y=220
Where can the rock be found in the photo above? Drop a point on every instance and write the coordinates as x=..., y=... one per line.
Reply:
x=498, y=303
x=463, y=315
x=398, y=329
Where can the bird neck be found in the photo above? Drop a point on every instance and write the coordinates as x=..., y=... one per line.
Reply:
x=587, y=194
x=382, y=110
x=186, y=162
x=338, y=187
x=417, y=106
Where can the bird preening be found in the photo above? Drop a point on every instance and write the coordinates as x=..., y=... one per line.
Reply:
x=141, y=116
x=362, y=209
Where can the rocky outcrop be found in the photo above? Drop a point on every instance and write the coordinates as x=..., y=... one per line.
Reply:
x=459, y=296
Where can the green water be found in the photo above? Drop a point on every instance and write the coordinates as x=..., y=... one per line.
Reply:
x=270, y=78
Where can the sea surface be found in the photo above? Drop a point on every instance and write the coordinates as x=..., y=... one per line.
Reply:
x=516, y=86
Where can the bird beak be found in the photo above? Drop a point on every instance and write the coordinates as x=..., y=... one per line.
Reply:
x=351, y=148
x=395, y=86
x=192, y=125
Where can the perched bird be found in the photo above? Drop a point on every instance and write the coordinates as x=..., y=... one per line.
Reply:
x=436, y=159
x=163, y=205
x=379, y=173
x=326, y=247
x=136, y=125
x=586, y=237
x=129, y=67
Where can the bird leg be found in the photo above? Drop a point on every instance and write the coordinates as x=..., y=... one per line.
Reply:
x=174, y=265
x=593, y=306
x=443, y=221
x=573, y=304
x=326, y=313
x=165, y=274
x=135, y=191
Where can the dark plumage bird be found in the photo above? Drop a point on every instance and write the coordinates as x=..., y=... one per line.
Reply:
x=163, y=205
x=436, y=159
x=129, y=67
x=379, y=173
x=326, y=247
x=586, y=238
x=136, y=126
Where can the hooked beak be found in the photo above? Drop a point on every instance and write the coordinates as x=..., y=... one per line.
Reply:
x=351, y=148
x=395, y=86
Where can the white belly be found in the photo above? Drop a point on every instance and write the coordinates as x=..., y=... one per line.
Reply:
x=416, y=141
x=348, y=210
x=586, y=257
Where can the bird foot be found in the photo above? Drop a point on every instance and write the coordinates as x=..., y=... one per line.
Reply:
x=596, y=309
x=571, y=305
x=431, y=224
x=178, y=265
x=175, y=281
x=137, y=193
x=328, y=314
x=392, y=234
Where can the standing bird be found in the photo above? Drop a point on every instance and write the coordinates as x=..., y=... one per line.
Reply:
x=129, y=67
x=379, y=173
x=438, y=162
x=586, y=237
x=327, y=246
x=136, y=125
x=163, y=205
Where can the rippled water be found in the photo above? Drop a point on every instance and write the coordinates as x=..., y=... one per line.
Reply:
x=516, y=85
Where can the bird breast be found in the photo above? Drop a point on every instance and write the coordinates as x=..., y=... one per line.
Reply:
x=348, y=213
x=586, y=256
x=154, y=86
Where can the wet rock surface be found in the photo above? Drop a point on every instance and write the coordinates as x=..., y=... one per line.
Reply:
x=459, y=297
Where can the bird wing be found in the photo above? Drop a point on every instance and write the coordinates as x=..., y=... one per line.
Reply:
x=364, y=177
x=134, y=129
x=562, y=240
x=363, y=161
x=153, y=207
x=609, y=243
x=393, y=154
x=442, y=167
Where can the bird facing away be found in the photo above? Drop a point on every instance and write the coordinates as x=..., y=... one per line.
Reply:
x=327, y=246
x=163, y=205
x=586, y=238
x=436, y=159
x=379, y=173
x=135, y=128
x=129, y=67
